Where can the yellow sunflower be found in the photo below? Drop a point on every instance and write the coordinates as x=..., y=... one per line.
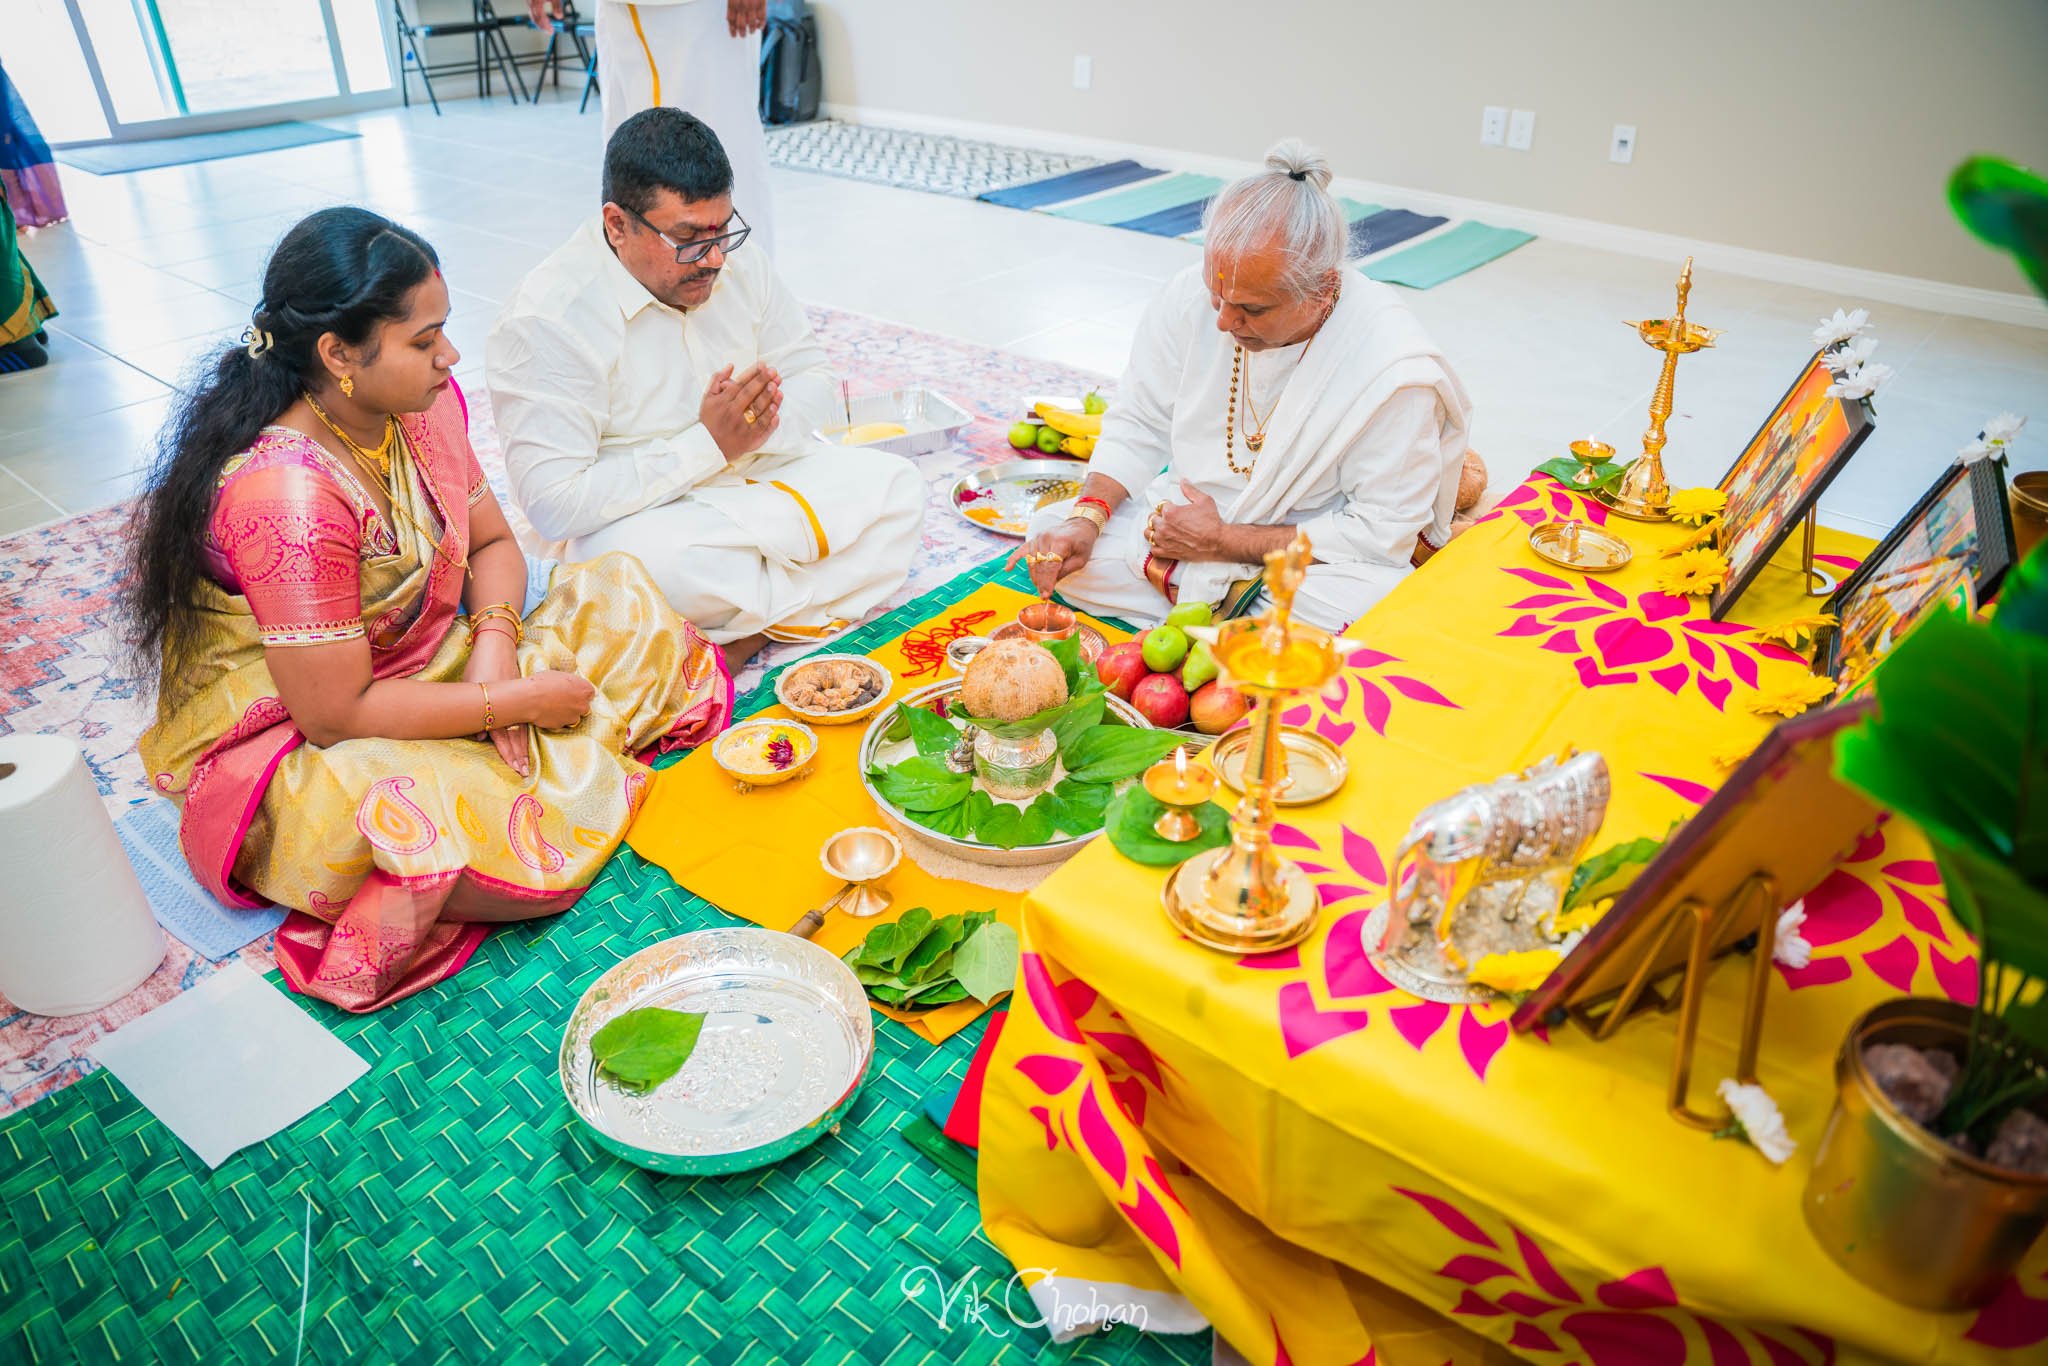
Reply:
x=1515, y=973
x=1695, y=573
x=1694, y=506
x=1794, y=697
x=1704, y=536
x=1796, y=632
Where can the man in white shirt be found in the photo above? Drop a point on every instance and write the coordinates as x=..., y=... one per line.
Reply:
x=1268, y=389
x=699, y=55
x=656, y=386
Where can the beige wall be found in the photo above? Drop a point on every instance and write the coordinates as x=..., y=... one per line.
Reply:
x=1817, y=130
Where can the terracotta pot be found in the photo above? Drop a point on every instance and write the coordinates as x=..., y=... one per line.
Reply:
x=2028, y=496
x=1896, y=1207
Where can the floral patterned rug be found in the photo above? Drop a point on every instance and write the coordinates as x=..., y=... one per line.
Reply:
x=62, y=668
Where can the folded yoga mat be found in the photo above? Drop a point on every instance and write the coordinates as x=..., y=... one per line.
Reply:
x=1174, y=222
x=1390, y=227
x=1353, y=212
x=1430, y=263
x=1167, y=192
x=1059, y=189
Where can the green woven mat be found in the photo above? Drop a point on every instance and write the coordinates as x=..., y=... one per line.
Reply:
x=459, y=1214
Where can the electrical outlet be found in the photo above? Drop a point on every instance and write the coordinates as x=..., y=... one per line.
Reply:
x=1623, y=149
x=1522, y=129
x=1493, y=125
x=1084, y=72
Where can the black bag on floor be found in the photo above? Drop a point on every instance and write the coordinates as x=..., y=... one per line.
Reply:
x=792, y=81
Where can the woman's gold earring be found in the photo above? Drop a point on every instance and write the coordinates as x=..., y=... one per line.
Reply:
x=348, y=387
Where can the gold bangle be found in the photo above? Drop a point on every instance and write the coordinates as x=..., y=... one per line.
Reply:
x=508, y=632
x=1089, y=513
x=490, y=717
x=500, y=610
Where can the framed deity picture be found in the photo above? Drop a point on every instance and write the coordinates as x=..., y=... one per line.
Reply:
x=1956, y=543
x=1782, y=473
x=1769, y=833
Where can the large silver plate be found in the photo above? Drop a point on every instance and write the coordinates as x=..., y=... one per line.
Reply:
x=930, y=420
x=974, y=851
x=787, y=1039
x=1010, y=492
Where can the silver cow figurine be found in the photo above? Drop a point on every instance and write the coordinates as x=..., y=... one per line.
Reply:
x=1482, y=870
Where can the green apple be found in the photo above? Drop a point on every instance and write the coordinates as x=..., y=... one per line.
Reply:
x=1199, y=667
x=1024, y=435
x=1094, y=403
x=1164, y=648
x=1049, y=440
x=1190, y=614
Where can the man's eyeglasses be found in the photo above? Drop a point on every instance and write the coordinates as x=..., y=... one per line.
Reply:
x=697, y=248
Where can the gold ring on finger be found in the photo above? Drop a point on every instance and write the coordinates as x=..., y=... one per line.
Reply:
x=749, y=416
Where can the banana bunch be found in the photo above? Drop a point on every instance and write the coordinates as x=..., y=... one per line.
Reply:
x=1053, y=430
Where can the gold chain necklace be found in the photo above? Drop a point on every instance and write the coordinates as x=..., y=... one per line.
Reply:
x=378, y=459
x=1255, y=441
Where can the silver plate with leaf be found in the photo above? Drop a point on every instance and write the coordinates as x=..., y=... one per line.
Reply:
x=786, y=1041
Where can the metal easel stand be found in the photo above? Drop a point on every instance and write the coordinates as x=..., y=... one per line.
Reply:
x=1709, y=925
x=1819, y=582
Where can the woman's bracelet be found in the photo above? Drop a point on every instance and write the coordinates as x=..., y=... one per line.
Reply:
x=490, y=717
x=503, y=611
x=510, y=633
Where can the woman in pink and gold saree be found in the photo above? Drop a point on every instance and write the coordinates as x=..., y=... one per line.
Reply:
x=368, y=711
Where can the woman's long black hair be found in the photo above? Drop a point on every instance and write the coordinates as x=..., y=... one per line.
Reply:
x=341, y=270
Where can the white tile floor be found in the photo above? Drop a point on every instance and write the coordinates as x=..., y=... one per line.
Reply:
x=157, y=266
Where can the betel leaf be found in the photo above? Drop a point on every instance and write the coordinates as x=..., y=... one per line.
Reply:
x=1036, y=824
x=912, y=928
x=644, y=1048
x=1565, y=470
x=1001, y=825
x=1082, y=716
x=934, y=955
x=1077, y=807
x=950, y=821
x=1128, y=823
x=922, y=783
x=1068, y=653
x=934, y=736
x=986, y=965
x=1610, y=871
x=1109, y=753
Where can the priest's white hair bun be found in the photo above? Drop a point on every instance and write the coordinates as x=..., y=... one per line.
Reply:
x=1289, y=201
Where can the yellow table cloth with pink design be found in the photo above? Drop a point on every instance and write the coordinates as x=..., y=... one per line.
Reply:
x=1328, y=1170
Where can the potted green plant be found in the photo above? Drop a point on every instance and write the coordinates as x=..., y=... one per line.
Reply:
x=1931, y=1181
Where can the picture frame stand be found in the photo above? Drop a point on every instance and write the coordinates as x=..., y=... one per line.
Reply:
x=1819, y=582
x=1707, y=924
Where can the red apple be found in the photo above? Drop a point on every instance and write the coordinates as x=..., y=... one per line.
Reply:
x=1161, y=700
x=1216, y=708
x=1120, y=667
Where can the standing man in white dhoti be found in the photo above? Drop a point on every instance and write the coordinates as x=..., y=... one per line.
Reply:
x=1268, y=389
x=699, y=55
x=656, y=386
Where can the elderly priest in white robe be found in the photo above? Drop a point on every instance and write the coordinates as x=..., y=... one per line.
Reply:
x=656, y=387
x=1268, y=388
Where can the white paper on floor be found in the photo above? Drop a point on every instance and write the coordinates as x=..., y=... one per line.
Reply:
x=229, y=1063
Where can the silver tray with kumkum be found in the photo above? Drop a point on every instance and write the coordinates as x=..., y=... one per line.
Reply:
x=1002, y=497
x=786, y=1042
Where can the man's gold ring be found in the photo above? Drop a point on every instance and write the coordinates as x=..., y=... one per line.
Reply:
x=749, y=416
x=1043, y=557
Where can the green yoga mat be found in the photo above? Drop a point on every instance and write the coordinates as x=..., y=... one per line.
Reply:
x=459, y=1214
x=1152, y=196
x=1428, y=264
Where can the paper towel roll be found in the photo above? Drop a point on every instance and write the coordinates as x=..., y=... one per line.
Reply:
x=76, y=931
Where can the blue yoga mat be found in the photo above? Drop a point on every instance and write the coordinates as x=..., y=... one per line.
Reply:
x=1174, y=222
x=1060, y=188
x=149, y=833
x=114, y=158
x=1389, y=228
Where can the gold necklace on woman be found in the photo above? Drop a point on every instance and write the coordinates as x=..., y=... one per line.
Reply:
x=378, y=459
x=1255, y=440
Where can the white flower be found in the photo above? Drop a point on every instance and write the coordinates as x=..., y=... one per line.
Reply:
x=2000, y=430
x=1841, y=327
x=1851, y=355
x=1788, y=945
x=1757, y=1119
x=1975, y=451
x=1861, y=382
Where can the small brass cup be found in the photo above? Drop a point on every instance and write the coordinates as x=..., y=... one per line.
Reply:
x=862, y=856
